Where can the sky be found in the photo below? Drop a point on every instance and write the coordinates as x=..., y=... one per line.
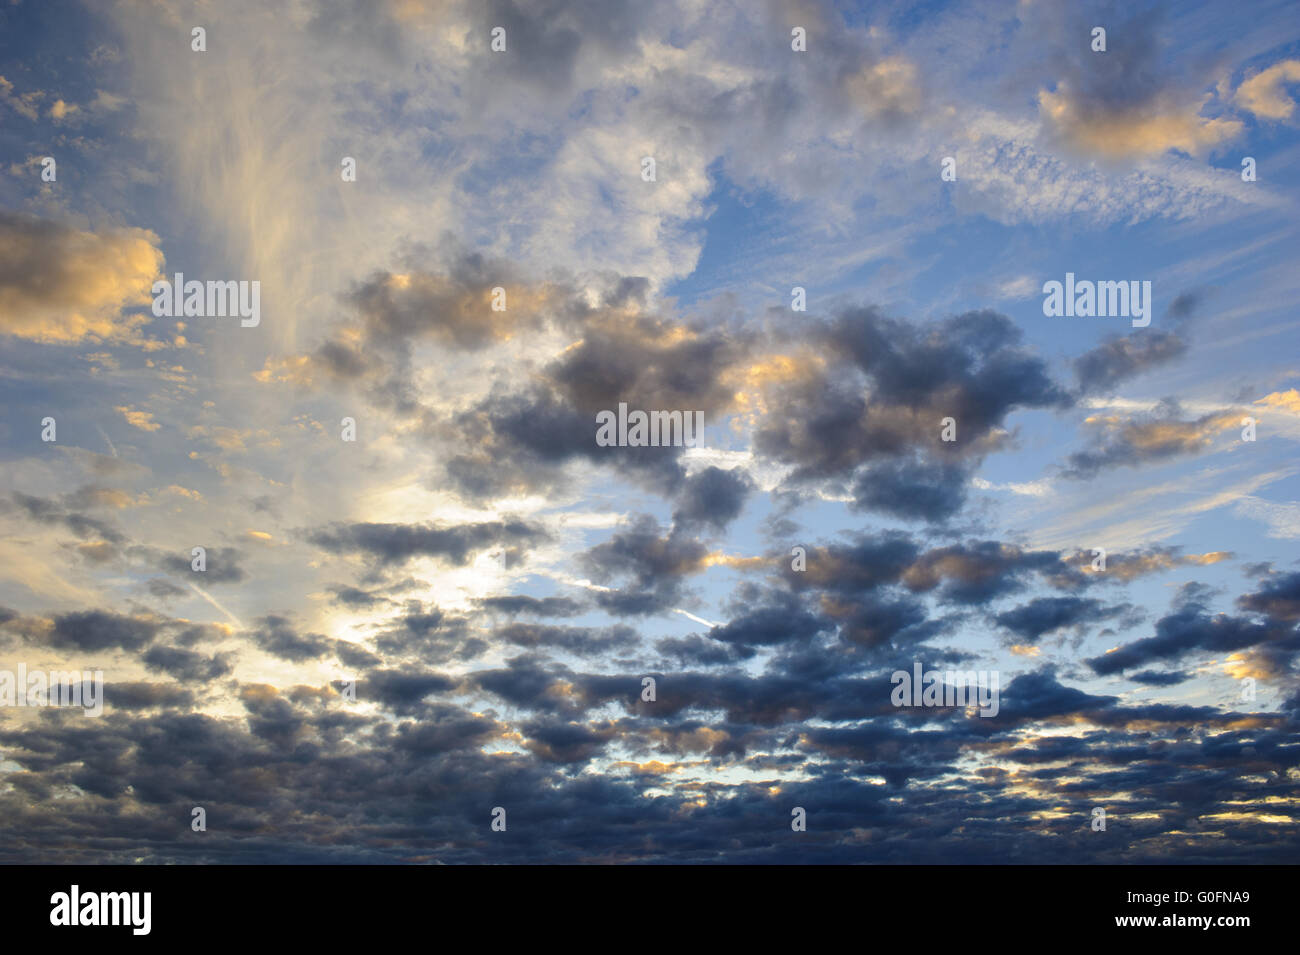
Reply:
x=429, y=593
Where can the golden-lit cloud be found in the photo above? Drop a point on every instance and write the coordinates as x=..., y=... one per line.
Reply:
x=1251, y=663
x=24, y=104
x=1127, y=567
x=1165, y=435
x=291, y=369
x=730, y=560
x=1288, y=401
x=62, y=110
x=63, y=285
x=1139, y=131
x=1263, y=93
x=138, y=419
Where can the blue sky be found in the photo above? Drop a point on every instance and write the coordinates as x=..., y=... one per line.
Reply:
x=375, y=564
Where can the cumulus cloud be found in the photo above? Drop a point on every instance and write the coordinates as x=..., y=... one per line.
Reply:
x=1140, y=130
x=1264, y=93
x=63, y=285
x=1117, y=104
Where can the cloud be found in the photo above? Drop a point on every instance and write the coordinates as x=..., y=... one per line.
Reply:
x=222, y=565
x=713, y=497
x=398, y=543
x=62, y=285
x=24, y=104
x=1146, y=130
x=782, y=620
x=1159, y=678
x=48, y=511
x=187, y=664
x=911, y=490
x=887, y=89
x=100, y=630
x=61, y=110
x=143, y=695
x=978, y=571
x=652, y=566
x=1263, y=93
x=1190, y=628
x=1278, y=598
x=1119, y=441
x=584, y=640
x=1125, y=102
x=453, y=308
x=1285, y=401
x=138, y=419
x=879, y=399
x=519, y=441
x=279, y=637
x=1283, y=520
x=521, y=604
x=1127, y=566
x=1119, y=359
x=1044, y=615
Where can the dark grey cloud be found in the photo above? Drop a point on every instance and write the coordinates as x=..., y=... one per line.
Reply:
x=426, y=633
x=554, y=741
x=222, y=565
x=1039, y=695
x=876, y=413
x=523, y=605
x=783, y=619
x=1044, y=615
x=444, y=729
x=698, y=650
x=651, y=567
x=328, y=760
x=145, y=695
x=1120, y=358
x=187, y=664
x=979, y=571
x=404, y=691
x=874, y=621
x=911, y=490
x=1278, y=598
x=1160, y=677
x=49, y=511
x=351, y=596
x=589, y=640
x=279, y=637
x=868, y=562
x=521, y=440
x=1191, y=628
x=398, y=543
x=93, y=630
x=712, y=498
